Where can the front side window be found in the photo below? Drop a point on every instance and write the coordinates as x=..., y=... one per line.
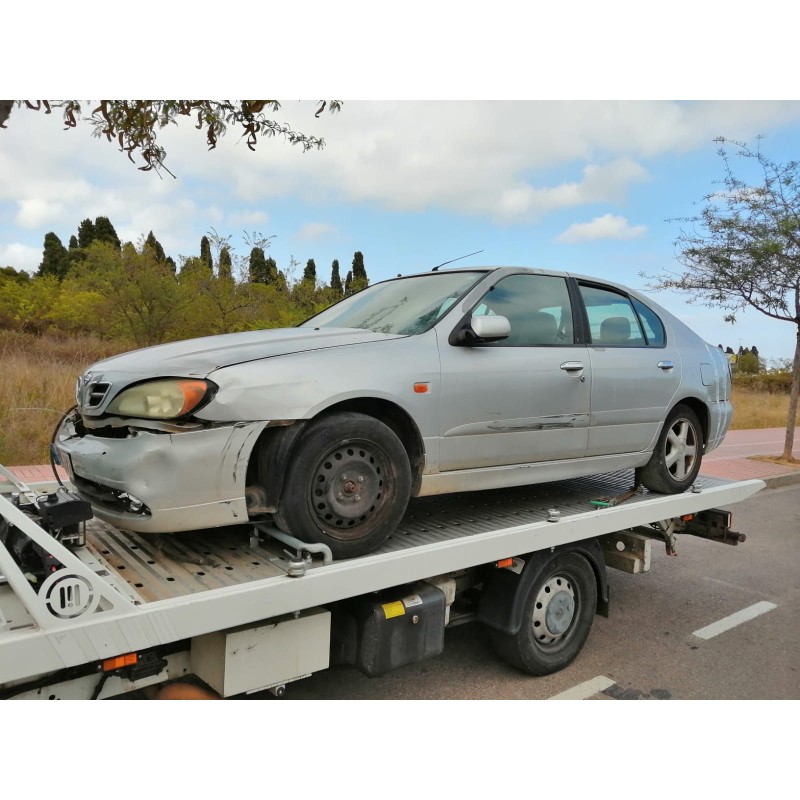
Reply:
x=537, y=307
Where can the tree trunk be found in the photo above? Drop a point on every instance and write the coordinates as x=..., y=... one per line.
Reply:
x=793, y=396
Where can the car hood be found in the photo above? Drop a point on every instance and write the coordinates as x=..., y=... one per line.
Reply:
x=200, y=357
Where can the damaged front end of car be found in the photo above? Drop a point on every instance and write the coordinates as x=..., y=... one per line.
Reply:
x=147, y=463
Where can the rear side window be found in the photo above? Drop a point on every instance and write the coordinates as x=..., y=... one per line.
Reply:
x=652, y=325
x=612, y=320
x=616, y=320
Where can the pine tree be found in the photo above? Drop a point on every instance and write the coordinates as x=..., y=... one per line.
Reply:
x=336, y=281
x=360, y=280
x=348, y=283
x=55, y=257
x=169, y=261
x=205, y=253
x=86, y=233
x=225, y=267
x=104, y=232
x=153, y=243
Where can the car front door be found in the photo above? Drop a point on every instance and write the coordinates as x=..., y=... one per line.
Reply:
x=521, y=399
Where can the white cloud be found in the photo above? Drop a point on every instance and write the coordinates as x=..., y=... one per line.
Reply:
x=37, y=213
x=609, y=226
x=315, y=230
x=21, y=256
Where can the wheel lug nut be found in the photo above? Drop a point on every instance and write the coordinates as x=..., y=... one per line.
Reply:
x=357, y=498
x=361, y=479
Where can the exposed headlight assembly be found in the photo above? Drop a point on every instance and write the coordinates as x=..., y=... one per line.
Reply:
x=162, y=399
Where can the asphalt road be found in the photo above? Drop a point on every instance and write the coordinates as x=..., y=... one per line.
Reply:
x=715, y=622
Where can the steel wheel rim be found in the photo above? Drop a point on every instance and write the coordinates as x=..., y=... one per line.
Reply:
x=553, y=610
x=681, y=446
x=348, y=489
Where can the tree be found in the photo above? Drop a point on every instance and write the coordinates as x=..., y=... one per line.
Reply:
x=104, y=232
x=348, y=283
x=205, y=254
x=86, y=233
x=743, y=250
x=55, y=257
x=258, y=266
x=360, y=280
x=225, y=267
x=336, y=281
x=155, y=247
x=134, y=124
x=310, y=273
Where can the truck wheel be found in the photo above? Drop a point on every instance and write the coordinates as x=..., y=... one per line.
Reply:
x=676, y=458
x=556, y=618
x=347, y=486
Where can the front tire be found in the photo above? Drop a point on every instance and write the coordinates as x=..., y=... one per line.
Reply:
x=347, y=486
x=675, y=462
x=556, y=618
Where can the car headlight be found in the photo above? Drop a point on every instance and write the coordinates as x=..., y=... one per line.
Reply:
x=162, y=399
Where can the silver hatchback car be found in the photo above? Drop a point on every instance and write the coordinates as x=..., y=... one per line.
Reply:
x=448, y=381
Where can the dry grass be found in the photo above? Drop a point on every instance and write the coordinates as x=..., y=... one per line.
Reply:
x=37, y=385
x=759, y=410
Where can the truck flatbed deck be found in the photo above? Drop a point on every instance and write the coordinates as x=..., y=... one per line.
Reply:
x=124, y=593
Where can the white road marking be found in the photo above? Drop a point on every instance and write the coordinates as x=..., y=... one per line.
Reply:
x=585, y=689
x=734, y=619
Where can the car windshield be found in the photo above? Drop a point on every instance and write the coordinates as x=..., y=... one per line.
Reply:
x=403, y=306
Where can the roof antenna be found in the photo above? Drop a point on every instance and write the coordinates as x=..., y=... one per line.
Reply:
x=456, y=259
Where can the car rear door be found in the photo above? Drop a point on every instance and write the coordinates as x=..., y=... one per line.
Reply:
x=636, y=370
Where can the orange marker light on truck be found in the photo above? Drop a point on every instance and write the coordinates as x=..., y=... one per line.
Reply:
x=128, y=660
x=420, y=388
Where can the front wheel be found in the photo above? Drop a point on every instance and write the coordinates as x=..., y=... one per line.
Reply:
x=556, y=618
x=348, y=485
x=676, y=458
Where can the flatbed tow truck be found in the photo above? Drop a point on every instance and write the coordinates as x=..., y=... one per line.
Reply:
x=91, y=612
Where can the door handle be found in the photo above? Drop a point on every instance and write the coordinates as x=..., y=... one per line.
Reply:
x=665, y=365
x=572, y=366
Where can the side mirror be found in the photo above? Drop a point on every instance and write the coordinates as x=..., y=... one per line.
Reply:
x=490, y=328
x=480, y=329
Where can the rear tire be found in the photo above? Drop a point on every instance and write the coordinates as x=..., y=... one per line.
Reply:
x=675, y=462
x=347, y=485
x=556, y=619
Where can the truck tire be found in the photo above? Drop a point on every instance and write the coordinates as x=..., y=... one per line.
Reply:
x=347, y=485
x=556, y=618
x=675, y=462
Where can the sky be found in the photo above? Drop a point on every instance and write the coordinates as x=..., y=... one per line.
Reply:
x=567, y=178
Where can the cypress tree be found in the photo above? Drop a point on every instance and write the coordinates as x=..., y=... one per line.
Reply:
x=336, y=281
x=225, y=267
x=360, y=280
x=86, y=233
x=310, y=273
x=156, y=247
x=104, y=232
x=205, y=253
x=55, y=257
x=258, y=266
x=273, y=279
x=348, y=283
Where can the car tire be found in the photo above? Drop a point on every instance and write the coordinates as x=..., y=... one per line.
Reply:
x=556, y=618
x=675, y=462
x=347, y=485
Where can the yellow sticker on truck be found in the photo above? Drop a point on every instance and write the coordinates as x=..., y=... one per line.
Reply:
x=396, y=609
